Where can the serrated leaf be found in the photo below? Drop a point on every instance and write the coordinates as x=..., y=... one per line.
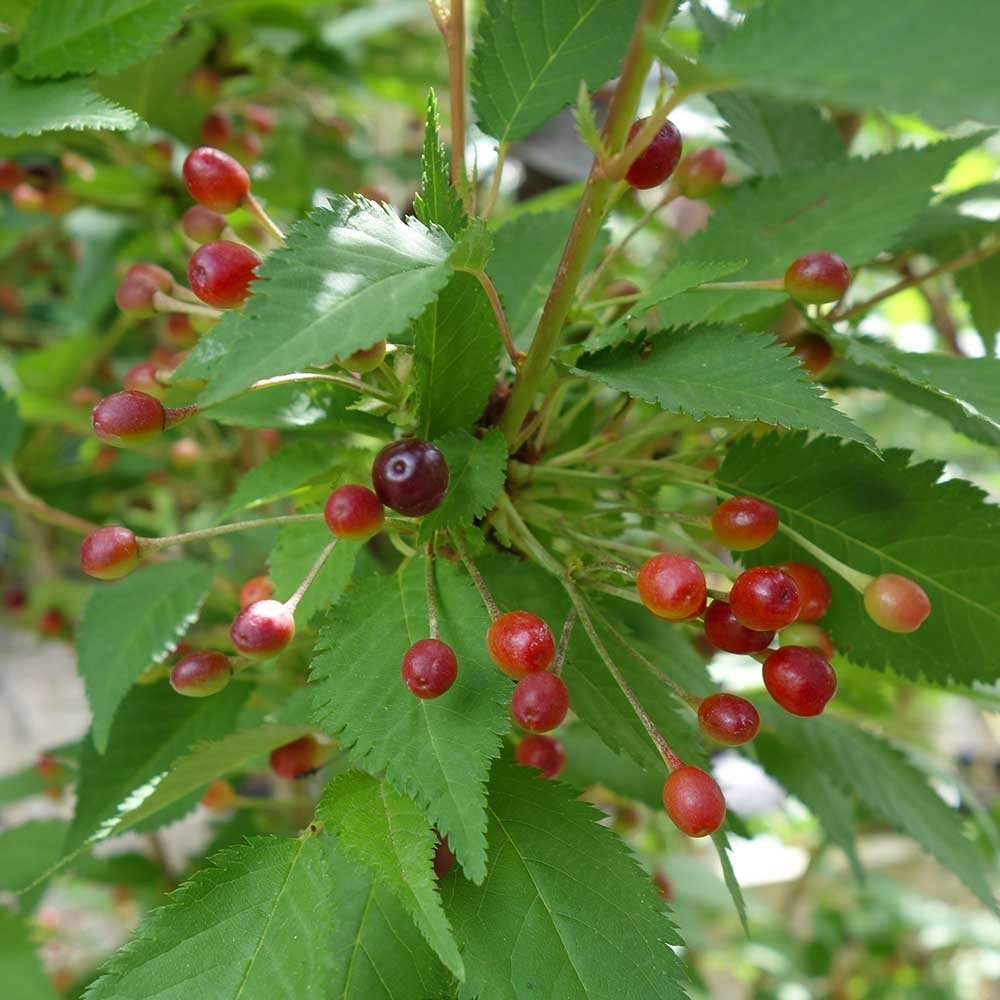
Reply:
x=980, y=288
x=721, y=372
x=20, y=964
x=437, y=201
x=590, y=761
x=456, y=351
x=565, y=912
x=436, y=751
x=885, y=516
x=257, y=924
x=387, y=834
x=531, y=55
x=34, y=108
x=129, y=625
x=477, y=470
x=282, y=474
x=864, y=59
x=473, y=247
x=349, y=276
x=11, y=430
x=63, y=37
x=586, y=122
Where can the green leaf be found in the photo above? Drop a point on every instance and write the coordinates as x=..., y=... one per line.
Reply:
x=885, y=517
x=387, y=834
x=20, y=964
x=131, y=624
x=456, y=353
x=531, y=55
x=437, y=201
x=11, y=430
x=565, y=911
x=28, y=851
x=349, y=276
x=855, y=54
x=473, y=247
x=477, y=470
x=850, y=206
x=280, y=475
x=34, y=108
x=721, y=372
x=980, y=288
x=100, y=35
x=257, y=924
x=586, y=122
x=436, y=751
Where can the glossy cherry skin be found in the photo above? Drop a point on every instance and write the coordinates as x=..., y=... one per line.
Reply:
x=109, y=553
x=520, y=643
x=127, y=418
x=658, y=160
x=728, y=719
x=814, y=353
x=799, y=680
x=354, y=512
x=896, y=603
x=429, y=668
x=817, y=277
x=811, y=636
x=540, y=702
x=672, y=587
x=410, y=477
x=262, y=629
x=542, y=752
x=694, y=801
x=814, y=591
x=296, y=759
x=744, y=523
x=221, y=273
x=257, y=588
x=202, y=225
x=201, y=674
x=765, y=598
x=725, y=631
x=700, y=173
x=215, y=179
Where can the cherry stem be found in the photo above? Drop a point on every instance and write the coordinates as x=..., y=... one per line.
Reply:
x=858, y=580
x=184, y=293
x=293, y=602
x=167, y=303
x=432, y=611
x=155, y=544
x=494, y=191
x=20, y=498
x=477, y=577
x=483, y=278
x=564, y=637
x=257, y=210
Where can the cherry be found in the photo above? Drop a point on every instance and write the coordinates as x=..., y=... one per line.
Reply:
x=11, y=174
x=744, y=523
x=26, y=198
x=109, y=553
x=429, y=668
x=185, y=452
x=220, y=796
x=142, y=378
x=52, y=622
x=364, y=361
x=658, y=160
x=520, y=643
x=663, y=886
x=724, y=631
x=297, y=759
x=410, y=476
x=262, y=629
x=215, y=180
x=179, y=330
x=15, y=599
x=813, y=351
x=817, y=277
x=221, y=272
x=201, y=224
x=259, y=119
x=896, y=603
x=543, y=752
x=765, y=598
x=217, y=129
x=200, y=674
x=672, y=587
x=257, y=588
x=700, y=173
x=127, y=418
x=354, y=512
x=814, y=591
x=540, y=702
x=157, y=276
x=728, y=719
x=799, y=680
x=47, y=767
x=694, y=801
x=444, y=858
x=810, y=636
x=249, y=145
x=139, y=286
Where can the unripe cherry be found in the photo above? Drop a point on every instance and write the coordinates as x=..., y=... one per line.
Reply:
x=765, y=598
x=542, y=752
x=185, y=453
x=799, y=680
x=811, y=636
x=726, y=632
x=694, y=801
x=672, y=587
x=215, y=179
x=658, y=160
x=429, y=668
x=813, y=352
x=262, y=629
x=109, y=553
x=202, y=225
x=128, y=418
x=728, y=719
x=354, y=512
x=297, y=759
x=817, y=277
x=744, y=523
x=410, y=476
x=520, y=643
x=364, y=361
x=221, y=272
x=814, y=591
x=896, y=603
x=540, y=702
x=257, y=588
x=700, y=172
x=201, y=674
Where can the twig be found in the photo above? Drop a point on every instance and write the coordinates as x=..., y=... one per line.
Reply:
x=477, y=577
x=293, y=602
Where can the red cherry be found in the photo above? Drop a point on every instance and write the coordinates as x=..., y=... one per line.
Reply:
x=672, y=587
x=354, y=512
x=811, y=636
x=540, y=702
x=215, y=180
x=202, y=225
x=142, y=378
x=259, y=119
x=700, y=173
x=429, y=668
x=799, y=680
x=249, y=146
x=542, y=752
x=744, y=523
x=221, y=272
x=11, y=174
x=814, y=591
x=262, y=629
x=159, y=277
x=48, y=767
x=52, y=622
x=410, y=476
x=520, y=643
x=135, y=295
x=817, y=277
x=297, y=759
x=15, y=599
x=201, y=674
x=179, y=331
x=663, y=886
x=896, y=603
x=694, y=801
x=217, y=129
x=814, y=353
x=728, y=719
x=724, y=631
x=364, y=361
x=127, y=418
x=219, y=796
x=109, y=553
x=257, y=588
x=658, y=160
x=765, y=598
